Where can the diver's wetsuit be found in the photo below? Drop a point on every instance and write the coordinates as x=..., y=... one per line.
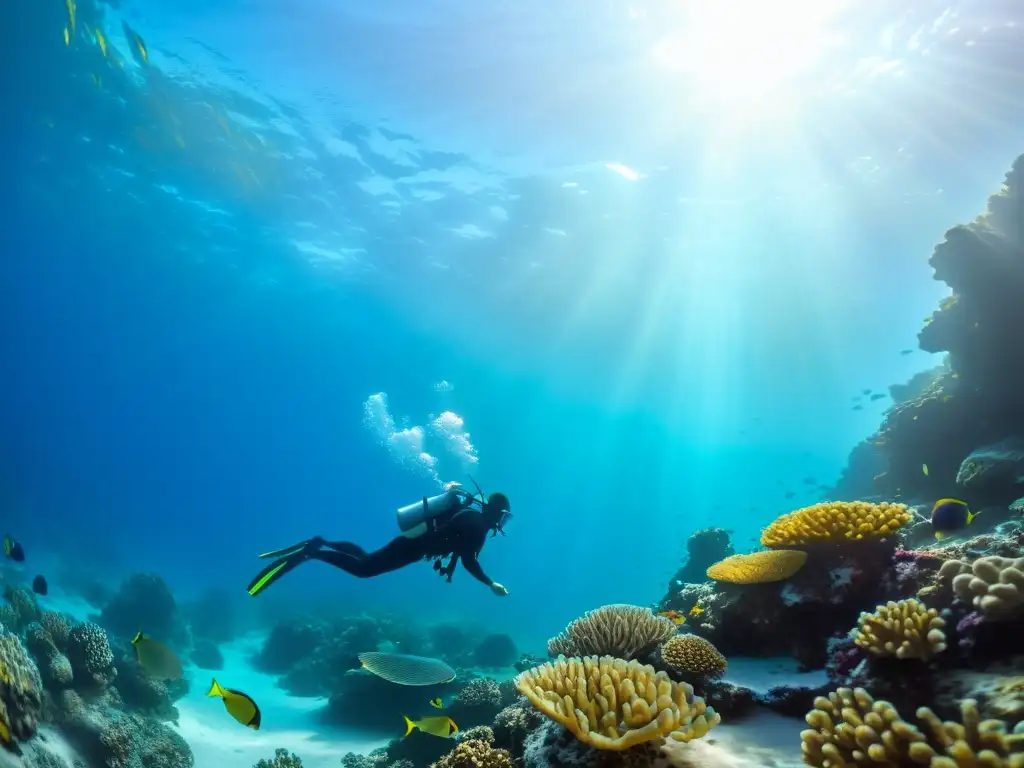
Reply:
x=461, y=534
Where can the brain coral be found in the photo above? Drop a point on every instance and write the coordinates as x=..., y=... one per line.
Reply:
x=833, y=522
x=849, y=728
x=758, y=567
x=692, y=653
x=906, y=630
x=615, y=704
x=622, y=631
x=994, y=585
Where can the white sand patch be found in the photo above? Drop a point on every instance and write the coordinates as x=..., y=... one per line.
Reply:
x=765, y=740
x=761, y=675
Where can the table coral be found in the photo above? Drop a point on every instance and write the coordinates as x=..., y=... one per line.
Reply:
x=622, y=631
x=758, y=567
x=906, y=629
x=613, y=704
x=834, y=522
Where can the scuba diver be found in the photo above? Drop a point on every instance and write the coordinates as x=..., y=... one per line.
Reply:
x=453, y=525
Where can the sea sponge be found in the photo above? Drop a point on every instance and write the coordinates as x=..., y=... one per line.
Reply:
x=615, y=704
x=994, y=585
x=20, y=691
x=907, y=630
x=758, y=567
x=832, y=522
x=849, y=728
x=622, y=631
x=90, y=654
x=475, y=753
x=692, y=653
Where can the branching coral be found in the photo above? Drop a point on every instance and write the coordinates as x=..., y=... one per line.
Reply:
x=832, y=522
x=615, y=704
x=282, y=759
x=907, y=630
x=475, y=754
x=759, y=567
x=849, y=728
x=694, y=654
x=994, y=585
x=622, y=631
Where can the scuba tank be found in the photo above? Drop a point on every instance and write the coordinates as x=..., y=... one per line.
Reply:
x=414, y=519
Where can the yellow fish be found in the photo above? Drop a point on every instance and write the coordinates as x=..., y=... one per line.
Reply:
x=67, y=36
x=138, y=44
x=946, y=398
x=437, y=703
x=674, y=616
x=70, y=5
x=156, y=659
x=696, y=610
x=924, y=468
x=436, y=725
x=101, y=40
x=239, y=705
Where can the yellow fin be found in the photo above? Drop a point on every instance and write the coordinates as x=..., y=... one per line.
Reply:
x=409, y=725
x=215, y=689
x=941, y=535
x=971, y=516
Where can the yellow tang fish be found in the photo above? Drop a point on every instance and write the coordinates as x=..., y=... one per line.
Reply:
x=437, y=703
x=239, y=705
x=156, y=659
x=437, y=725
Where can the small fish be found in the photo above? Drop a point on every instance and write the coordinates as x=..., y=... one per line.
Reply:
x=437, y=703
x=955, y=376
x=67, y=36
x=950, y=515
x=877, y=396
x=70, y=5
x=696, y=610
x=858, y=408
x=39, y=585
x=810, y=480
x=239, y=705
x=946, y=398
x=924, y=468
x=436, y=725
x=101, y=41
x=96, y=79
x=139, y=50
x=674, y=616
x=865, y=391
x=156, y=659
x=931, y=589
x=789, y=494
x=13, y=550
x=909, y=351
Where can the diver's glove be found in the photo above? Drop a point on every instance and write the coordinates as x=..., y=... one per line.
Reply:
x=498, y=589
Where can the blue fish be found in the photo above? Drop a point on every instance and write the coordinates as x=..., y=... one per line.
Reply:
x=949, y=515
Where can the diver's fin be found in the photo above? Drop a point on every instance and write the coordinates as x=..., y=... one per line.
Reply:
x=273, y=572
x=285, y=551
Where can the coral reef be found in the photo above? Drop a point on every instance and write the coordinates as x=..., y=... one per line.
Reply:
x=20, y=691
x=90, y=654
x=758, y=567
x=145, y=601
x=622, y=631
x=282, y=759
x=704, y=548
x=496, y=650
x=614, y=704
x=850, y=728
x=833, y=522
x=906, y=629
x=475, y=753
x=692, y=654
x=994, y=585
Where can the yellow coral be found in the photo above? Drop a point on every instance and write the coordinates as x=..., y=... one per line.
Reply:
x=832, y=522
x=615, y=704
x=758, y=567
x=618, y=630
x=849, y=728
x=907, y=630
x=692, y=653
x=475, y=753
x=994, y=585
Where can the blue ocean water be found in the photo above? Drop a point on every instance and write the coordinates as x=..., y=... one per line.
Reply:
x=636, y=310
